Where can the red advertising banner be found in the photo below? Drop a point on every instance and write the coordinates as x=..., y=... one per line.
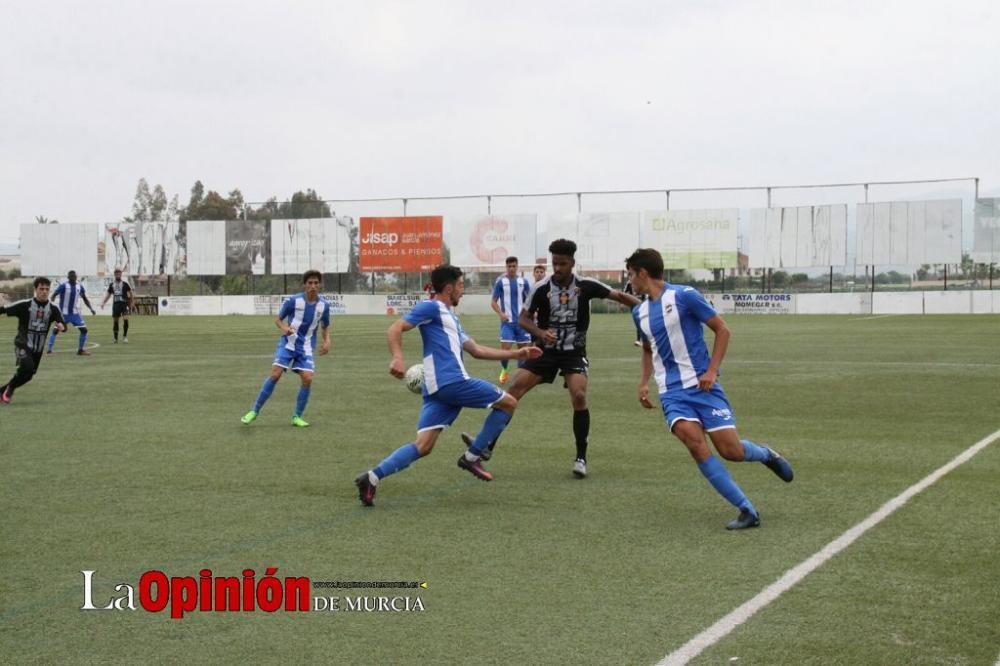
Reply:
x=400, y=244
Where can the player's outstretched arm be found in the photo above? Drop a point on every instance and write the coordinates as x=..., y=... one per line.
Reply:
x=285, y=329
x=623, y=298
x=495, y=304
x=527, y=322
x=57, y=318
x=324, y=346
x=647, y=372
x=397, y=367
x=719, y=347
x=481, y=352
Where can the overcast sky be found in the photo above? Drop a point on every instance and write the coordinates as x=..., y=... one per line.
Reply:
x=376, y=98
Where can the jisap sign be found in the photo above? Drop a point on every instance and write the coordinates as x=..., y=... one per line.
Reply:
x=400, y=244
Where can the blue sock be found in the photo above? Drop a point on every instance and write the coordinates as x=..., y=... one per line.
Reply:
x=83, y=340
x=494, y=424
x=398, y=460
x=302, y=400
x=719, y=477
x=52, y=340
x=754, y=452
x=265, y=393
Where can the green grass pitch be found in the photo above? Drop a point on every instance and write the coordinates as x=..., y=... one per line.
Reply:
x=135, y=459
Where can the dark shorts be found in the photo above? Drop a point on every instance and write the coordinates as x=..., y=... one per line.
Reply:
x=119, y=309
x=552, y=363
x=27, y=361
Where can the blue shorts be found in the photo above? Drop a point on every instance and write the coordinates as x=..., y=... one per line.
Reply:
x=295, y=361
x=442, y=407
x=511, y=332
x=709, y=408
x=76, y=320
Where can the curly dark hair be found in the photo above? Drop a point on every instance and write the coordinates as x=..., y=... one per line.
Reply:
x=443, y=275
x=562, y=246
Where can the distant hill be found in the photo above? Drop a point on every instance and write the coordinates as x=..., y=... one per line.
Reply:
x=9, y=249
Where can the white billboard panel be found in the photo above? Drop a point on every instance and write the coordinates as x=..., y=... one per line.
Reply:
x=487, y=240
x=56, y=249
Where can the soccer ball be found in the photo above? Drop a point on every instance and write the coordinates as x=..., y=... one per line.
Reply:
x=414, y=377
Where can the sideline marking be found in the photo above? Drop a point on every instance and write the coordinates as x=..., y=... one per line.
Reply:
x=876, y=316
x=745, y=611
x=89, y=345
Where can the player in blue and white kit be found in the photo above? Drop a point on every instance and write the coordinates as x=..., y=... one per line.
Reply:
x=693, y=402
x=510, y=293
x=67, y=296
x=447, y=386
x=298, y=319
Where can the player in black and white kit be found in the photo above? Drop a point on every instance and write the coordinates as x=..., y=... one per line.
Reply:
x=34, y=317
x=123, y=303
x=558, y=316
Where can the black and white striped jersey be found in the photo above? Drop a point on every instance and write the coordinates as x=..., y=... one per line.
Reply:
x=33, y=322
x=566, y=310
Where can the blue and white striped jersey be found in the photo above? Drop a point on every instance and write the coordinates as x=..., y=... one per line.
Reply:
x=511, y=295
x=443, y=338
x=305, y=318
x=68, y=297
x=672, y=325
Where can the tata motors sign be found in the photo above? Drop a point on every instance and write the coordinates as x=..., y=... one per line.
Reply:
x=400, y=244
x=754, y=303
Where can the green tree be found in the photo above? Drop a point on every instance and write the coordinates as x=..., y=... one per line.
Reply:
x=968, y=266
x=41, y=219
x=212, y=205
x=309, y=204
x=152, y=205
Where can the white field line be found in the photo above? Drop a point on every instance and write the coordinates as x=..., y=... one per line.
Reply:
x=870, y=317
x=845, y=363
x=723, y=627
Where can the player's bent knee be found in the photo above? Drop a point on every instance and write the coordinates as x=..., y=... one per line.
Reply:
x=507, y=403
x=731, y=454
x=426, y=441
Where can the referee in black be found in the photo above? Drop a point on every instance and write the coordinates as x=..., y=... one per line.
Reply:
x=34, y=318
